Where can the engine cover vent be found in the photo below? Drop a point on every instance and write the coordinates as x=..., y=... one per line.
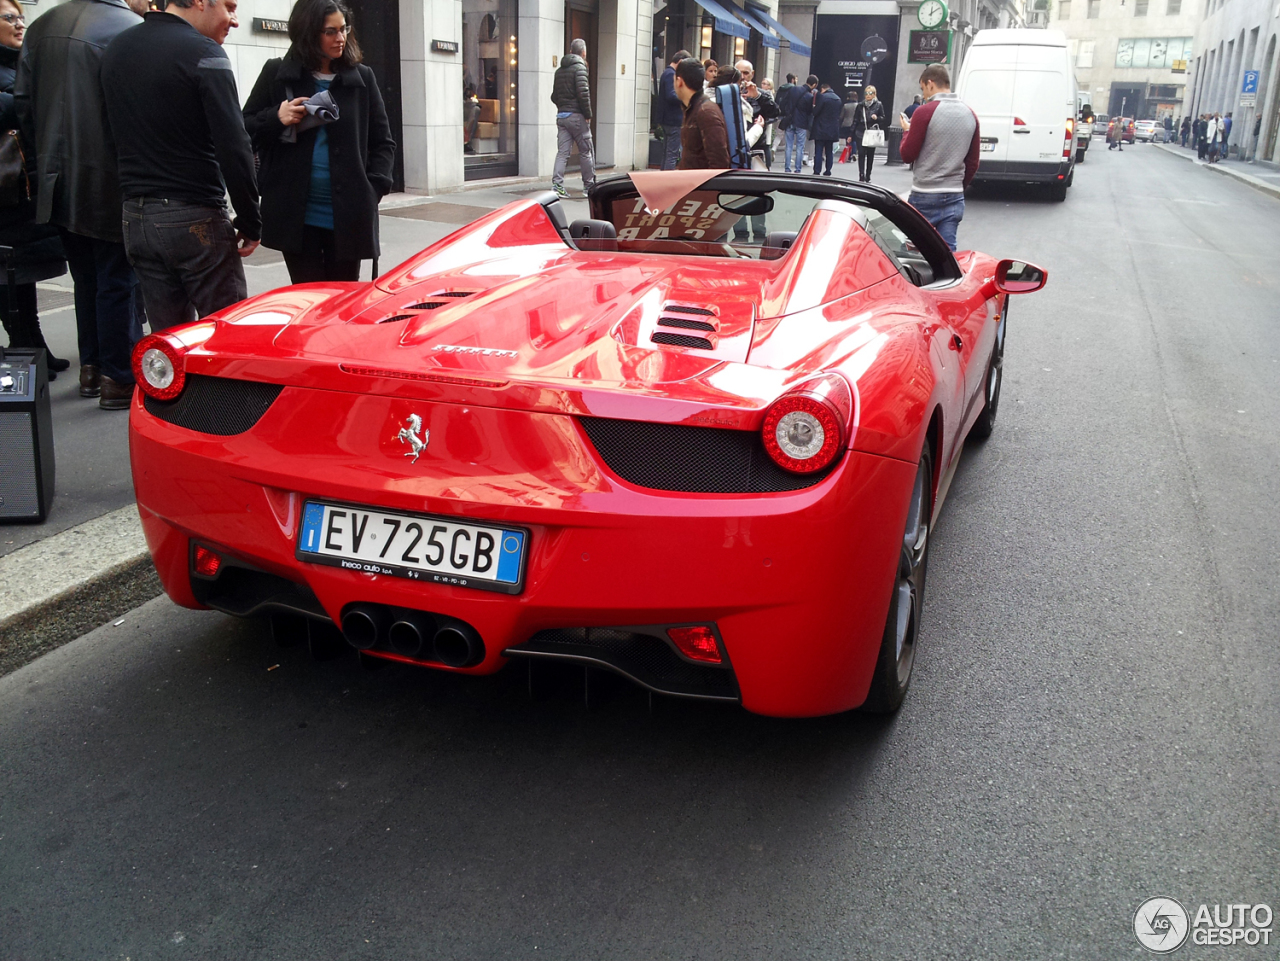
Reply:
x=681, y=340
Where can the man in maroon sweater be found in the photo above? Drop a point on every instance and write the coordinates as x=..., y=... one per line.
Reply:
x=942, y=141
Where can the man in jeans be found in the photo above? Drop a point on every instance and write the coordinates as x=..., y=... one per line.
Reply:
x=669, y=112
x=60, y=110
x=943, y=142
x=571, y=93
x=172, y=103
x=799, y=113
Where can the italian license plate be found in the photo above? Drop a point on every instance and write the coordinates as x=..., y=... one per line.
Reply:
x=988, y=146
x=420, y=547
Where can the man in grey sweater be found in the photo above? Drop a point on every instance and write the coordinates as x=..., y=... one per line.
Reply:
x=942, y=141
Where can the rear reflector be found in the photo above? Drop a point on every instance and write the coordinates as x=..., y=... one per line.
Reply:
x=207, y=563
x=696, y=643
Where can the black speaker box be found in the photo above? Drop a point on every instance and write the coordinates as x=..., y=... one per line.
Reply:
x=26, y=436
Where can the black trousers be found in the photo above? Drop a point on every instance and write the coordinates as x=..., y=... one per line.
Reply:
x=317, y=262
x=109, y=314
x=866, y=158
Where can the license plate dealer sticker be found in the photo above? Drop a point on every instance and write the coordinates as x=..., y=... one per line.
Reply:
x=420, y=547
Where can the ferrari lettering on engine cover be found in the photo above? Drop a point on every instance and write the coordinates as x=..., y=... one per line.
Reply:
x=482, y=351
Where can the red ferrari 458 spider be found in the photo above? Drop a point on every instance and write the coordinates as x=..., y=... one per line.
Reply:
x=699, y=439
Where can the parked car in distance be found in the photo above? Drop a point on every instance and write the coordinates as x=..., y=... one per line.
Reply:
x=1100, y=121
x=1149, y=131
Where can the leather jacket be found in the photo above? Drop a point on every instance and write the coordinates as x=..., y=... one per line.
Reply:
x=76, y=182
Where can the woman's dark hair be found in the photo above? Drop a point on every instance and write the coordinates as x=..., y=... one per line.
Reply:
x=728, y=75
x=306, y=24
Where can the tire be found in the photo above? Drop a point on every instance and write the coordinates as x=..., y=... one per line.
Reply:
x=902, y=626
x=986, y=422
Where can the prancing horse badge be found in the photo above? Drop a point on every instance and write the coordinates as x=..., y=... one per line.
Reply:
x=413, y=435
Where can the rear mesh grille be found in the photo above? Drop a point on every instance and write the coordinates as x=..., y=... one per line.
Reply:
x=701, y=460
x=680, y=340
x=643, y=657
x=216, y=405
x=680, y=308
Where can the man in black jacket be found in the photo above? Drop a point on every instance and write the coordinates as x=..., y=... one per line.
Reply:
x=571, y=93
x=60, y=111
x=172, y=102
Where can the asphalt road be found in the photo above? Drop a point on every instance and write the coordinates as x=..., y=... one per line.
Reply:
x=1092, y=722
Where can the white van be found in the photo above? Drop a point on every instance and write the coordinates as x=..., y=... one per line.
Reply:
x=1021, y=85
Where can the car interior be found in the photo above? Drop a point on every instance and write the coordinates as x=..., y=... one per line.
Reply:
x=753, y=215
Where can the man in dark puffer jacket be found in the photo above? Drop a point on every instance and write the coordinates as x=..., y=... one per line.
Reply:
x=571, y=93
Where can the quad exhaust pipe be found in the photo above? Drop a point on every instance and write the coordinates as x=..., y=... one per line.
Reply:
x=419, y=635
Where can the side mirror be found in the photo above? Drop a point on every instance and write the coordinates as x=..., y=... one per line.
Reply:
x=1017, y=277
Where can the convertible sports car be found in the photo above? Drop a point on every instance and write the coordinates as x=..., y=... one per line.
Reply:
x=699, y=439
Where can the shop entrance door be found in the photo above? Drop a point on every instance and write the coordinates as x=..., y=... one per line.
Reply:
x=582, y=22
x=377, y=28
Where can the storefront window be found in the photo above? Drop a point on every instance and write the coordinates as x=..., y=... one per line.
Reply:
x=489, y=64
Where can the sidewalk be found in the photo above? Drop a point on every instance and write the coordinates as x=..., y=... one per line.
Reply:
x=88, y=563
x=1258, y=177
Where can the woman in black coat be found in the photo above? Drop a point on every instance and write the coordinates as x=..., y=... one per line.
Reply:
x=37, y=249
x=868, y=114
x=320, y=187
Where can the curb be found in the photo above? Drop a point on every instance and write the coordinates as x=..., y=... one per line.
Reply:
x=57, y=589
x=1271, y=190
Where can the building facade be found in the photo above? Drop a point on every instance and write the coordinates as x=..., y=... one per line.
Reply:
x=467, y=83
x=1131, y=56
x=1235, y=37
x=845, y=31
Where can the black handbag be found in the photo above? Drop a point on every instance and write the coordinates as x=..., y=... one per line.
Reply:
x=15, y=185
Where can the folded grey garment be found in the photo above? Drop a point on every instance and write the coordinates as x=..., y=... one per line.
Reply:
x=321, y=109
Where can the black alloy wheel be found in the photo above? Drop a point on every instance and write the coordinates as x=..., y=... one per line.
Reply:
x=902, y=627
x=986, y=422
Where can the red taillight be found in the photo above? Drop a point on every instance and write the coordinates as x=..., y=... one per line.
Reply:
x=206, y=562
x=1068, y=142
x=805, y=429
x=1019, y=122
x=696, y=643
x=158, y=366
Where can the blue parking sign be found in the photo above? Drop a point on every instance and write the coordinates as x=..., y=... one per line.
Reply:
x=1250, y=82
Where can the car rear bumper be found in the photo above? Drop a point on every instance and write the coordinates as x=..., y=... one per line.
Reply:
x=796, y=583
x=1021, y=171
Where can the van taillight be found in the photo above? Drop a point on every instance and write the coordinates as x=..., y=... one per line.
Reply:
x=1067, y=144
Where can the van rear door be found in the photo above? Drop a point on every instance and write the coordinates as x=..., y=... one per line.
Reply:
x=1043, y=100
x=989, y=91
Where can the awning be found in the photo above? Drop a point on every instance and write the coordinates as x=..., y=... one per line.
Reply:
x=770, y=38
x=725, y=21
x=798, y=46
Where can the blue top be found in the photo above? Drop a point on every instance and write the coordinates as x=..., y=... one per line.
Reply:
x=319, y=211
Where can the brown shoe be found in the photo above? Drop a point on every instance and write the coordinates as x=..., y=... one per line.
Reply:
x=115, y=396
x=90, y=381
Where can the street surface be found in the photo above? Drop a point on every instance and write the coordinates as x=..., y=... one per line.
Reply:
x=1092, y=722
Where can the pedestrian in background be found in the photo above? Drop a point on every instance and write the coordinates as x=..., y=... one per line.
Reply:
x=1199, y=128
x=670, y=112
x=943, y=143
x=1186, y=130
x=710, y=69
x=37, y=249
x=1212, y=132
x=704, y=140
x=799, y=120
x=770, y=130
x=763, y=109
x=911, y=107
x=60, y=108
x=320, y=186
x=571, y=93
x=825, y=129
x=783, y=99
x=1225, y=127
x=1168, y=128
x=870, y=115
x=180, y=155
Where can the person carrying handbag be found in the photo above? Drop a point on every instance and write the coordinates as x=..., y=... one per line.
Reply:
x=868, y=132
